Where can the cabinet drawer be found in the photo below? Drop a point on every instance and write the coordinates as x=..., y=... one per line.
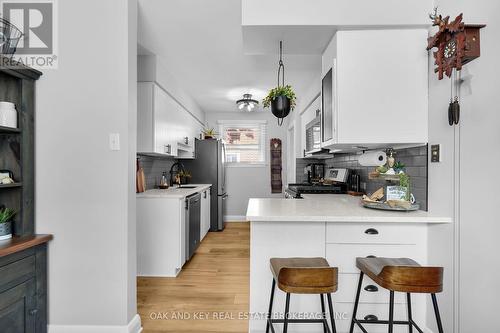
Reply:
x=381, y=311
x=17, y=272
x=362, y=233
x=370, y=291
x=344, y=256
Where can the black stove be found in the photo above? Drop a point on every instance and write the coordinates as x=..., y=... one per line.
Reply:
x=295, y=191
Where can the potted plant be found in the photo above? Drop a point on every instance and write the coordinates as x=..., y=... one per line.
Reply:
x=209, y=133
x=399, y=167
x=185, y=177
x=6, y=215
x=281, y=99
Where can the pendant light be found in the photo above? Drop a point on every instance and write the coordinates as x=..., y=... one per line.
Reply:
x=247, y=103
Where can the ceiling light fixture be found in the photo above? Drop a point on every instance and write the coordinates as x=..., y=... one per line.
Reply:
x=247, y=103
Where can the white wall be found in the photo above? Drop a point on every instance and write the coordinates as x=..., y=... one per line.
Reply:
x=84, y=191
x=335, y=12
x=251, y=182
x=469, y=151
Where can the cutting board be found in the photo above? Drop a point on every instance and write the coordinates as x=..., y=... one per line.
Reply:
x=140, y=180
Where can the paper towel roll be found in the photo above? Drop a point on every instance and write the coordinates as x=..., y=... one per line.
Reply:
x=372, y=158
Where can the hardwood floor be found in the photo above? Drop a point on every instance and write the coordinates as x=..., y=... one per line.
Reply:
x=213, y=286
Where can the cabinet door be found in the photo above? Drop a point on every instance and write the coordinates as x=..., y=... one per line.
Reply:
x=203, y=213
x=18, y=308
x=207, y=213
x=164, y=123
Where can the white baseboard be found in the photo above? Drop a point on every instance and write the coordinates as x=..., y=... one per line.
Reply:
x=134, y=326
x=235, y=218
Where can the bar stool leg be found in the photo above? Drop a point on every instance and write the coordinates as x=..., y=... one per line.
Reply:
x=391, y=311
x=410, y=319
x=323, y=312
x=287, y=308
x=360, y=283
x=269, y=313
x=332, y=314
x=436, y=311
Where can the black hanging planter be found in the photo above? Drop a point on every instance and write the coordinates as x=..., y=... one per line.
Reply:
x=282, y=98
x=280, y=106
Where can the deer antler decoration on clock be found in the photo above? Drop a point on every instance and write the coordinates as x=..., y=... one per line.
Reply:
x=457, y=43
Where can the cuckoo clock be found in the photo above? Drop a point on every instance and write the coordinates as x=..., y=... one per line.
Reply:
x=457, y=43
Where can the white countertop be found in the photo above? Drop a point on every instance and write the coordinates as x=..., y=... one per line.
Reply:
x=330, y=208
x=173, y=192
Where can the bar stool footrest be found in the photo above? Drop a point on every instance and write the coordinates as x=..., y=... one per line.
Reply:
x=298, y=321
x=359, y=322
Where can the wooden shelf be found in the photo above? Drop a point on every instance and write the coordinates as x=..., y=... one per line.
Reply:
x=17, y=244
x=9, y=130
x=378, y=176
x=11, y=185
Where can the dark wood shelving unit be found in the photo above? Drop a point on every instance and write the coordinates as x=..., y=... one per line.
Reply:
x=23, y=258
x=9, y=130
x=14, y=185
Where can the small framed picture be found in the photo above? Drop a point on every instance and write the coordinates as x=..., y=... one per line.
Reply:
x=396, y=193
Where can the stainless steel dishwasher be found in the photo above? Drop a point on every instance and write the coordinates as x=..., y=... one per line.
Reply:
x=193, y=219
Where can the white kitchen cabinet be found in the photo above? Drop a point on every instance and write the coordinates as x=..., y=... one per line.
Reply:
x=155, y=131
x=161, y=229
x=378, y=91
x=163, y=125
x=205, y=213
x=161, y=236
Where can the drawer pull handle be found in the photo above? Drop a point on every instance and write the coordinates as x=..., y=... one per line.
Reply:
x=371, y=317
x=371, y=256
x=33, y=312
x=371, y=231
x=371, y=288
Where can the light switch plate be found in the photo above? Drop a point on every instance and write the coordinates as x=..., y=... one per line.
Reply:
x=114, y=141
x=435, y=153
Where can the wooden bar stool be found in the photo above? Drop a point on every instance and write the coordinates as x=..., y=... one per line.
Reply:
x=402, y=275
x=303, y=276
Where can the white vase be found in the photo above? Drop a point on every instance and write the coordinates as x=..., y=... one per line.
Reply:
x=8, y=114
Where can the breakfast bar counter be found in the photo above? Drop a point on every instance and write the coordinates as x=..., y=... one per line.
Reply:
x=336, y=227
x=330, y=208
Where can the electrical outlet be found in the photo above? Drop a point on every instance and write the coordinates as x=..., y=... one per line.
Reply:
x=114, y=141
x=436, y=153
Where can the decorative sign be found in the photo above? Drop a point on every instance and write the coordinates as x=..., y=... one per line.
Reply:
x=396, y=193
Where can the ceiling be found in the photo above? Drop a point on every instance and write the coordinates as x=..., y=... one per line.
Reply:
x=201, y=43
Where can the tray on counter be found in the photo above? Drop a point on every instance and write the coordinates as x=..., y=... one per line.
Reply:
x=386, y=206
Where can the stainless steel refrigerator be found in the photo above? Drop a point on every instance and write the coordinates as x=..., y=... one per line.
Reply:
x=209, y=167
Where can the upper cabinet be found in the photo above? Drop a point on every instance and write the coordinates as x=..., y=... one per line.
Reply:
x=374, y=89
x=165, y=128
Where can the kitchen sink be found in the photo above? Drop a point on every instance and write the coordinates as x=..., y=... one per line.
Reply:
x=187, y=186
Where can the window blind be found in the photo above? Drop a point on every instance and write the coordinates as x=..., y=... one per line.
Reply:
x=245, y=141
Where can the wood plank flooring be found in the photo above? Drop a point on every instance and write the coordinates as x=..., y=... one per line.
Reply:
x=213, y=286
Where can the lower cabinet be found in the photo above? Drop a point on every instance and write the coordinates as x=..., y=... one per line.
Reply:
x=162, y=232
x=205, y=213
x=18, y=308
x=347, y=241
x=23, y=285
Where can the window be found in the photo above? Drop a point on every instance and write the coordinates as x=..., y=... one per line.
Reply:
x=245, y=141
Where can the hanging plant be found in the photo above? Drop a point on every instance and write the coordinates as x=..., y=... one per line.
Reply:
x=281, y=99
